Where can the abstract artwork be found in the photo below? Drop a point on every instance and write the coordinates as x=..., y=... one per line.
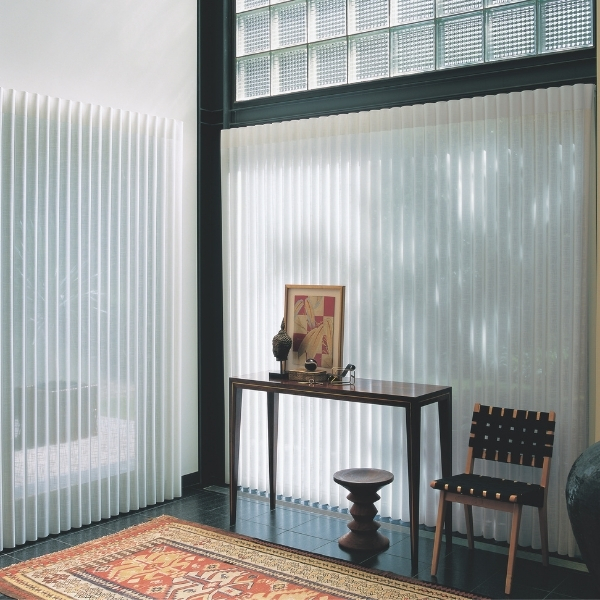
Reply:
x=314, y=318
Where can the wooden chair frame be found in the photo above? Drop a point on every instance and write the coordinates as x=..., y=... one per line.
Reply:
x=447, y=497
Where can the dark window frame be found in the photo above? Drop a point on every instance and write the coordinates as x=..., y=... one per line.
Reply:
x=546, y=70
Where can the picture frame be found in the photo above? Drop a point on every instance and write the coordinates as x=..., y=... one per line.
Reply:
x=318, y=309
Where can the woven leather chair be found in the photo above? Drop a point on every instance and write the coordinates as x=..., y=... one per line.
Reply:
x=510, y=436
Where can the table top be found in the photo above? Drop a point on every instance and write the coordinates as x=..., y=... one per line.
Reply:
x=363, y=390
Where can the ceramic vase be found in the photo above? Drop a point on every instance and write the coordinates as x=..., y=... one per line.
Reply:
x=583, y=505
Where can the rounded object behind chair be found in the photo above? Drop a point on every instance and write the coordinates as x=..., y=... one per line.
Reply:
x=583, y=505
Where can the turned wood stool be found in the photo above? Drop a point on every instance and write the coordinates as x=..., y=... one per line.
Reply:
x=363, y=485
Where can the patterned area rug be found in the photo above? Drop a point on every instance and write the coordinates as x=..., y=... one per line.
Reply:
x=167, y=558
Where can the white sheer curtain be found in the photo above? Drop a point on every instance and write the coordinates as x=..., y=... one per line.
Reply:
x=460, y=230
x=89, y=313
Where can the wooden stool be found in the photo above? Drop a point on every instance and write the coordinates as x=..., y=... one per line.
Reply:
x=363, y=485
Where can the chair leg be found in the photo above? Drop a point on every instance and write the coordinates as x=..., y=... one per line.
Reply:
x=469, y=521
x=543, y=514
x=514, y=537
x=438, y=532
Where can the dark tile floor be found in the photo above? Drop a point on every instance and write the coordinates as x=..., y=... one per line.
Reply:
x=480, y=572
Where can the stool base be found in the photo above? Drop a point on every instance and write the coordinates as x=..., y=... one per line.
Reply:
x=372, y=541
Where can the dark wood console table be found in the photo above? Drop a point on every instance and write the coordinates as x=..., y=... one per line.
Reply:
x=410, y=396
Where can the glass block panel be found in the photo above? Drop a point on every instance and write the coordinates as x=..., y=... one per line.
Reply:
x=327, y=64
x=253, y=32
x=326, y=19
x=410, y=11
x=510, y=31
x=460, y=41
x=366, y=15
x=288, y=71
x=565, y=24
x=288, y=24
x=453, y=7
x=368, y=56
x=253, y=77
x=413, y=48
x=242, y=5
x=490, y=3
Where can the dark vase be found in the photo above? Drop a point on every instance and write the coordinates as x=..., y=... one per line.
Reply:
x=583, y=505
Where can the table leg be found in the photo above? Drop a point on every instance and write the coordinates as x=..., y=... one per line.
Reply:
x=235, y=420
x=445, y=419
x=413, y=444
x=273, y=426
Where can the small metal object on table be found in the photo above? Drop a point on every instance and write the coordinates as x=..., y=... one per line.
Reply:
x=410, y=396
x=363, y=485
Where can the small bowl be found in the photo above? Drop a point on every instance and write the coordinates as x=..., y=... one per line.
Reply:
x=310, y=364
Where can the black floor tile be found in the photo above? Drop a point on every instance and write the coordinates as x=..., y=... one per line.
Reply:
x=578, y=585
x=327, y=528
x=402, y=548
x=534, y=574
x=256, y=530
x=123, y=522
x=463, y=569
x=300, y=541
x=88, y=534
x=6, y=560
x=246, y=509
x=333, y=550
x=38, y=549
x=493, y=587
x=207, y=501
x=284, y=518
x=215, y=519
x=393, y=564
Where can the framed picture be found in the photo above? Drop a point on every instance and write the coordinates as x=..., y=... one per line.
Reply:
x=314, y=319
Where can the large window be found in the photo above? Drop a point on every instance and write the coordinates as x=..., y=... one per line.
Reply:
x=295, y=45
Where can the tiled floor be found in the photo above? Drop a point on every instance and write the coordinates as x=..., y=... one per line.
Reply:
x=480, y=572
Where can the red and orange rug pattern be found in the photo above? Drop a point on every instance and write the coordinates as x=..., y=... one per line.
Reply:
x=170, y=559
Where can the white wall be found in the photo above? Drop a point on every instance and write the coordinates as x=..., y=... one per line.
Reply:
x=137, y=55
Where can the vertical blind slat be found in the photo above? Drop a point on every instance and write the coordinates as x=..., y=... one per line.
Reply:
x=90, y=201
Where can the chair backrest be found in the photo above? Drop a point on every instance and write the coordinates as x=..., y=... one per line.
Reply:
x=508, y=435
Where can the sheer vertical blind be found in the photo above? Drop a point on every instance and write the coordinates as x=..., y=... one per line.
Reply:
x=90, y=255
x=460, y=230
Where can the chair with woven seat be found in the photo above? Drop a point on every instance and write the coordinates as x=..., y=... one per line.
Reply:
x=510, y=436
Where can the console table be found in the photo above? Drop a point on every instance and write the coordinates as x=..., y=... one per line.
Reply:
x=410, y=396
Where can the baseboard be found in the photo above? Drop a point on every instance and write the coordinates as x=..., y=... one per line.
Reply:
x=190, y=479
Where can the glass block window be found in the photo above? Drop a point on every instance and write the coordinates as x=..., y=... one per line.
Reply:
x=510, y=31
x=328, y=64
x=369, y=56
x=288, y=71
x=326, y=19
x=366, y=15
x=409, y=12
x=253, y=75
x=565, y=24
x=285, y=46
x=460, y=40
x=288, y=24
x=413, y=48
x=453, y=7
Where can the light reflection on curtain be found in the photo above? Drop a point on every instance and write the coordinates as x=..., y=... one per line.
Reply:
x=460, y=230
x=90, y=229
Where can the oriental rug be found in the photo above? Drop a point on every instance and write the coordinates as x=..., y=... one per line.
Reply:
x=170, y=559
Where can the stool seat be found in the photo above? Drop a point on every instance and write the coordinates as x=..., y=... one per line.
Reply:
x=363, y=485
x=363, y=478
